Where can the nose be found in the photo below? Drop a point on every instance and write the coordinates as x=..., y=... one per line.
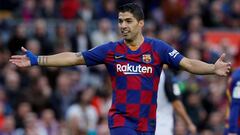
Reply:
x=123, y=24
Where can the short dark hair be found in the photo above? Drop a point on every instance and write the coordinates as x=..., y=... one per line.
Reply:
x=133, y=8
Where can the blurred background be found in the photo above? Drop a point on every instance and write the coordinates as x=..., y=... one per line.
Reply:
x=75, y=100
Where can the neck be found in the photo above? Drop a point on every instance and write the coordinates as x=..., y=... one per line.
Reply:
x=135, y=42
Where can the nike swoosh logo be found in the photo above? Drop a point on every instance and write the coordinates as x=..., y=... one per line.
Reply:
x=118, y=57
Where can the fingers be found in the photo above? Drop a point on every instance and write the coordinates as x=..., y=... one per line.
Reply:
x=19, y=62
x=229, y=67
x=229, y=64
x=15, y=62
x=18, y=56
x=24, y=49
x=222, y=57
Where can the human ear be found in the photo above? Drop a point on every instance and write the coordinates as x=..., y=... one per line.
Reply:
x=141, y=23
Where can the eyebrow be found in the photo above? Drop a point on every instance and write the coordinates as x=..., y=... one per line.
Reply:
x=126, y=19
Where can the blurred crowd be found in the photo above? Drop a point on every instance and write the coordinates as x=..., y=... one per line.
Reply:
x=75, y=100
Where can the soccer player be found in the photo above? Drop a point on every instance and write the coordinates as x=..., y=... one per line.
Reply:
x=134, y=64
x=167, y=102
x=233, y=94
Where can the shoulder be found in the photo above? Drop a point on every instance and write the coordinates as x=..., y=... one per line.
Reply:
x=112, y=44
x=154, y=40
x=118, y=42
x=104, y=47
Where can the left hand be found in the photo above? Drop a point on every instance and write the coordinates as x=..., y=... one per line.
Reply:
x=222, y=68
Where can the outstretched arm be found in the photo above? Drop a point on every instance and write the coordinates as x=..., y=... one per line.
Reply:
x=220, y=68
x=57, y=60
x=62, y=59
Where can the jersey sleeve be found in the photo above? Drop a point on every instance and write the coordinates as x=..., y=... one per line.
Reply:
x=169, y=55
x=96, y=55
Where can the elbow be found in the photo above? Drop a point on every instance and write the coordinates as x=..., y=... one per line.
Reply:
x=186, y=64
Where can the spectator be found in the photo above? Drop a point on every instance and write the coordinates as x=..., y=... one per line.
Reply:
x=41, y=35
x=86, y=12
x=104, y=33
x=102, y=128
x=215, y=120
x=28, y=10
x=2, y=115
x=18, y=39
x=107, y=10
x=61, y=42
x=23, y=108
x=63, y=96
x=49, y=122
x=216, y=15
x=83, y=111
x=48, y=9
x=194, y=32
x=80, y=40
x=38, y=94
x=172, y=13
x=9, y=126
x=13, y=87
x=235, y=14
x=195, y=109
x=8, y=109
x=34, y=45
x=69, y=9
x=31, y=126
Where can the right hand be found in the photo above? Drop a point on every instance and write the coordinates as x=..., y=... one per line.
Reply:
x=26, y=60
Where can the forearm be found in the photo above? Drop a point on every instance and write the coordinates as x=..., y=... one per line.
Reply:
x=179, y=108
x=61, y=59
x=197, y=66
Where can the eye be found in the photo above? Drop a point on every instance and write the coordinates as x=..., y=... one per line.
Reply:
x=120, y=21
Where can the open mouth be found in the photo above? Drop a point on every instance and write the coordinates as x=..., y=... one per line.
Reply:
x=124, y=32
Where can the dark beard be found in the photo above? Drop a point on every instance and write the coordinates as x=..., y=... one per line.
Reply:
x=128, y=40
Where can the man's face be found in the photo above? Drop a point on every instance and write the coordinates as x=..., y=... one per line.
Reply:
x=129, y=26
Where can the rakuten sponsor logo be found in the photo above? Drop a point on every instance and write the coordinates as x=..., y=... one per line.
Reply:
x=132, y=69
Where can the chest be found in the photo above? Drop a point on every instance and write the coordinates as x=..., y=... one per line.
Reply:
x=135, y=63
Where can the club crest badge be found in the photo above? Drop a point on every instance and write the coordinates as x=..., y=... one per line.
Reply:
x=146, y=58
